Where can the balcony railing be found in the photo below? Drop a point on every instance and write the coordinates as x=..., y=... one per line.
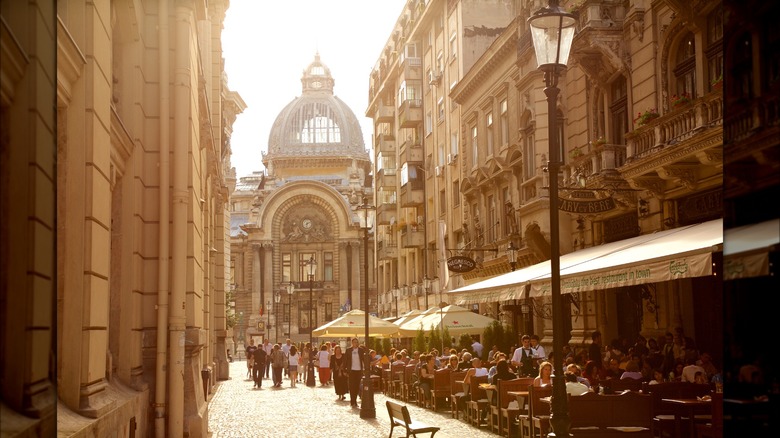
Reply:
x=386, y=250
x=592, y=159
x=410, y=113
x=387, y=177
x=385, y=113
x=676, y=126
x=744, y=118
x=412, y=237
x=413, y=193
x=411, y=152
x=386, y=143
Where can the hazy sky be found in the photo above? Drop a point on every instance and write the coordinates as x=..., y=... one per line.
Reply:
x=267, y=44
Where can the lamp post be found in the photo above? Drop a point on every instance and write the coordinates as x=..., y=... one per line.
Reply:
x=290, y=289
x=277, y=300
x=268, y=319
x=367, y=409
x=552, y=30
x=427, y=286
x=395, y=292
x=312, y=264
x=511, y=256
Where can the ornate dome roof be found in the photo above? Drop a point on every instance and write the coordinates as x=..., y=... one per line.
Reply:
x=316, y=123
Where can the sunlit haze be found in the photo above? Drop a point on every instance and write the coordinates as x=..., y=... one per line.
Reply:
x=267, y=44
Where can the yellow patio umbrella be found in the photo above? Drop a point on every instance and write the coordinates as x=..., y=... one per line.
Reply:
x=353, y=324
x=458, y=321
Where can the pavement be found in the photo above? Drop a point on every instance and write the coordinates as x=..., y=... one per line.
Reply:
x=236, y=410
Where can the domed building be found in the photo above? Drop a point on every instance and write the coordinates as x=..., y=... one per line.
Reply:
x=304, y=207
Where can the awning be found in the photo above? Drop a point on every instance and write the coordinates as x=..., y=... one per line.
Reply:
x=746, y=249
x=682, y=252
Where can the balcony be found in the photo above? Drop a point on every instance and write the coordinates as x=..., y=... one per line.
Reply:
x=676, y=126
x=410, y=113
x=413, y=193
x=386, y=178
x=412, y=237
x=384, y=212
x=594, y=158
x=385, y=143
x=411, y=152
x=385, y=113
x=412, y=68
x=386, y=250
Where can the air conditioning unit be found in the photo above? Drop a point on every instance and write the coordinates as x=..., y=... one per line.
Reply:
x=439, y=170
x=434, y=78
x=452, y=159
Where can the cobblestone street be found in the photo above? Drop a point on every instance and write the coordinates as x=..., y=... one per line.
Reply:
x=236, y=410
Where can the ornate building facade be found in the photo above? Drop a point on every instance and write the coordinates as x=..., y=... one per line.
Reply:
x=143, y=122
x=304, y=208
x=482, y=158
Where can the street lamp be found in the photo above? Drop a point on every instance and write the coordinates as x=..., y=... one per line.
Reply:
x=312, y=264
x=290, y=289
x=277, y=300
x=394, y=291
x=427, y=286
x=510, y=253
x=367, y=409
x=552, y=30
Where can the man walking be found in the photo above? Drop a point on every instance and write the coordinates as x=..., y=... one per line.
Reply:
x=268, y=348
x=355, y=358
x=259, y=365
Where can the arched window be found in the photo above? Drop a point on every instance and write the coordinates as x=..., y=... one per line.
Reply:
x=618, y=111
x=685, y=66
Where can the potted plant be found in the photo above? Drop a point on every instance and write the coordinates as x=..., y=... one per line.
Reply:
x=601, y=141
x=413, y=226
x=575, y=153
x=680, y=100
x=645, y=117
x=717, y=83
x=575, y=8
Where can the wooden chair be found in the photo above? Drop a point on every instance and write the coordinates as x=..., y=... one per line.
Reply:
x=478, y=402
x=604, y=416
x=615, y=386
x=387, y=384
x=409, y=393
x=713, y=429
x=399, y=416
x=663, y=414
x=508, y=416
x=396, y=382
x=538, y=418
x=441, y=386
x=457, y=392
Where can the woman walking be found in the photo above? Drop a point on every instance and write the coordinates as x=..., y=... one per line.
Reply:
x=338, y=365
x=293, y=360
x=303, y=364
x=277, y=363
x=324, y=370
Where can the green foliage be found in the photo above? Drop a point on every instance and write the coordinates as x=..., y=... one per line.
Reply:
x=419, y=343
x=465, y=342
x=445, y=334
x=435, y=339
x=386, y=346
x=231, y=318
x=497, y=334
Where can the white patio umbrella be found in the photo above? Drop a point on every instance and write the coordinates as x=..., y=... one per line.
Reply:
x=352, y=324
x=458, y=321
x=413, y=324
x=408, y=316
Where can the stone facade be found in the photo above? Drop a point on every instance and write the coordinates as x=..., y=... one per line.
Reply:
x=482, y=135
x=142, y=218
x=305, y=206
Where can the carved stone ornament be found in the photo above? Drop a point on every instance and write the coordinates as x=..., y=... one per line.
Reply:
x=306, y=229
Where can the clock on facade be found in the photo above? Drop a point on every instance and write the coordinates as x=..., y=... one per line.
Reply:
x=306, y=224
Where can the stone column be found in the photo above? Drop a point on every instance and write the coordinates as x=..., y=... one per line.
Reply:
x=254, y=312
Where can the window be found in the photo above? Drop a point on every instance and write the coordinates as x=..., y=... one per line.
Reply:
x=328, y=268
x=504, y=199
x=453, y=46
x=529, y=154
x=504, y=124
x=715, y=45
x=441, y=109
x=328, y=311
x=320, y=129
x=492, y=219
x=741, y=75
x=618, y=111
x=442, y=155
x=440, y=62
x=685, y=67
x=489, y=124
x=286, y=267
x=442, y=202
x=286, y=310
x=456, y=193
x=454, y=143
x=428, y=123
x=474, y=147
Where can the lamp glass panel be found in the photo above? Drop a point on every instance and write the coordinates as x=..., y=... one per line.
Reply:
x=545, y=35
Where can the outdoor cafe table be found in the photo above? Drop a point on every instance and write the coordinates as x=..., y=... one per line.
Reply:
x=521, y=398
x=687, y=407
x=490, y=390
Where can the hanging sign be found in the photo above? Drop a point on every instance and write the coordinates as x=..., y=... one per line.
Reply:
x=586, y=207
x=461, y=264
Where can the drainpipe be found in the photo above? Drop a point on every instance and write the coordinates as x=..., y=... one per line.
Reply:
x=164, y=242
x=177, y=320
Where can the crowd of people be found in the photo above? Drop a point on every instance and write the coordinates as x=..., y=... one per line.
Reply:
x=673, y=357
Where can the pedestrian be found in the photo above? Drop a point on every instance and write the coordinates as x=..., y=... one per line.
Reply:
x=258, y=367
x=293, y=360
x=338, y=366
x=324, y=361
x=250, y=349
x=277, y=364
x=286, y=351
x=355, y=363
x=305, y=362
x=269, y=348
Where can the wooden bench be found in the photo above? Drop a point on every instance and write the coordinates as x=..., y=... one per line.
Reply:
x=399, y=416
x=616, y=386
x=457, y=392
x=663, y=414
